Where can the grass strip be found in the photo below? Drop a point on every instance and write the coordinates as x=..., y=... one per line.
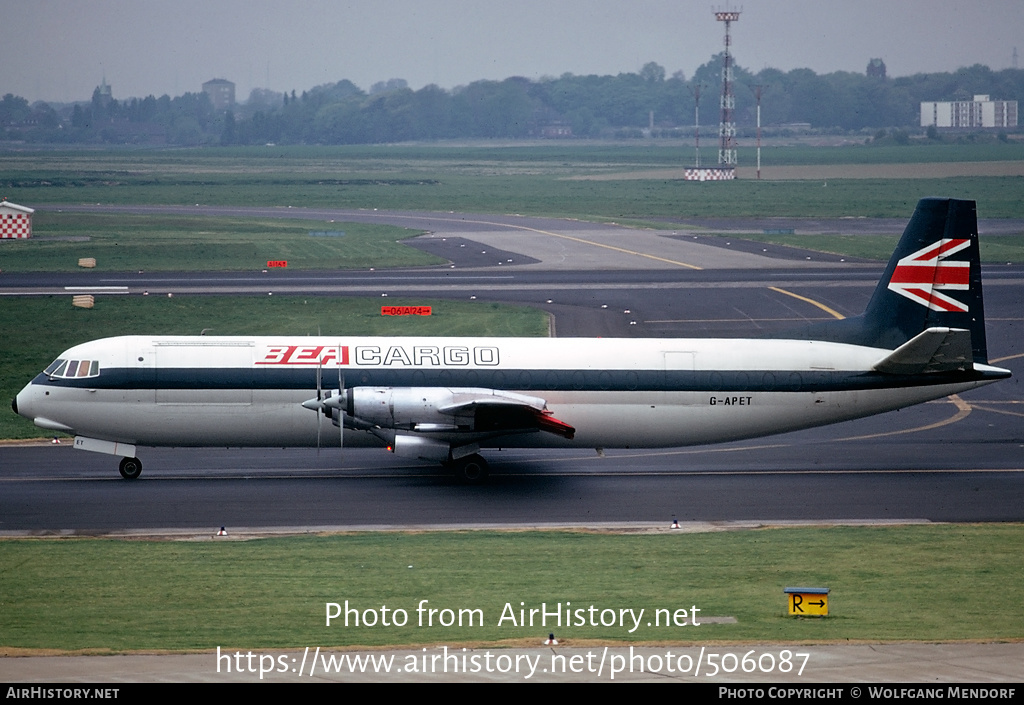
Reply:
x=916, y=583
x=126, y=242
x=500, y=179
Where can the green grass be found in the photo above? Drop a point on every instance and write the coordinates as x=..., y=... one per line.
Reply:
x=124, y=242
x=914, y=153
x=997, y=197
x=46, y=326
x=918, y=583
x=321, y=160
x=508, y=179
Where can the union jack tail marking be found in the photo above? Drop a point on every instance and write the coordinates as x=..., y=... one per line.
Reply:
x=919, y=276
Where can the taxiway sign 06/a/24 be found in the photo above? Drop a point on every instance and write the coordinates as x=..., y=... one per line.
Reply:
x=922, y=337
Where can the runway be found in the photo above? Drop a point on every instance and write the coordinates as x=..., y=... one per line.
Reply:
x=798, y=477
x=953, y=460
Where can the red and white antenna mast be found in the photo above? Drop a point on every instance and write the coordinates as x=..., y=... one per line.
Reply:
x=727, y=127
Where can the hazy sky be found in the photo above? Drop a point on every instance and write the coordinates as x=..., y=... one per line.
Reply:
x=60, y=49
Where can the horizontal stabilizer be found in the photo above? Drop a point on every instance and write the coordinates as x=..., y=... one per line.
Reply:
x=932, y=350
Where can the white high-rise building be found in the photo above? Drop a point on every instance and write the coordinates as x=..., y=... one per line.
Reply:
x=980, y=112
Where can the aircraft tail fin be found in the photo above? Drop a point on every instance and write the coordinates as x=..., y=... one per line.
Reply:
x=933, y=281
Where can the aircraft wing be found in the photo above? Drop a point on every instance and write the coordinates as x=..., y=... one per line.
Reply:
x=465, y=400
x=496, y=410
x=931, y=350
x=474, y=411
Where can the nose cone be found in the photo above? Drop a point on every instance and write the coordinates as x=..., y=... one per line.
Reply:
x=30, y=404
x=22, y=402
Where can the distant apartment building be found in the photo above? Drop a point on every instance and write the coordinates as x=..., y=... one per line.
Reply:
x=221, y=92
x=980, y=112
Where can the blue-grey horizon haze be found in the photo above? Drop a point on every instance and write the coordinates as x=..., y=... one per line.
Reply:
x=60, y=50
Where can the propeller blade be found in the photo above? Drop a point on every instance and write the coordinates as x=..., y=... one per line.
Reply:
x=341, y=411
x=319, y=397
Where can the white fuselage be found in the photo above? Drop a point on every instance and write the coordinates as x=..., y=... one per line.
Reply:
x=248, y=391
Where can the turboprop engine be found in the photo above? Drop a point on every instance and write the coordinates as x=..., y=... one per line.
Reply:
x=438, y=409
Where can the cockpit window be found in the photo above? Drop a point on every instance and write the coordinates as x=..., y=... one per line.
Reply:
x=67, y=369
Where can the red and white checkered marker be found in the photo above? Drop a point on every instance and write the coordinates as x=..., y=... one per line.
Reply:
x=709, y=174
x=15, y=227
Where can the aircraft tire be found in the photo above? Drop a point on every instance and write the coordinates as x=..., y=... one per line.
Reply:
x=471, y=470
x=130, y=468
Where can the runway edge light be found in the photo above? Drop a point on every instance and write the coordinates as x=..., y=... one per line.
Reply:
x=807, y=601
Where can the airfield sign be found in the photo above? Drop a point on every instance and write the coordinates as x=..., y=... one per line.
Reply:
x=807, y=601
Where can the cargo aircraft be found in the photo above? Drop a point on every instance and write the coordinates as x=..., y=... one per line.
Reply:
x=921, y=337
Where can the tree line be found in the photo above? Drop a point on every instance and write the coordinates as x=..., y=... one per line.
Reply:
x=624, y=105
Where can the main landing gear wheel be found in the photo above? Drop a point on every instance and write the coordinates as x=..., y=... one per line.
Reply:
x=471, y=470
x=130, y=468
